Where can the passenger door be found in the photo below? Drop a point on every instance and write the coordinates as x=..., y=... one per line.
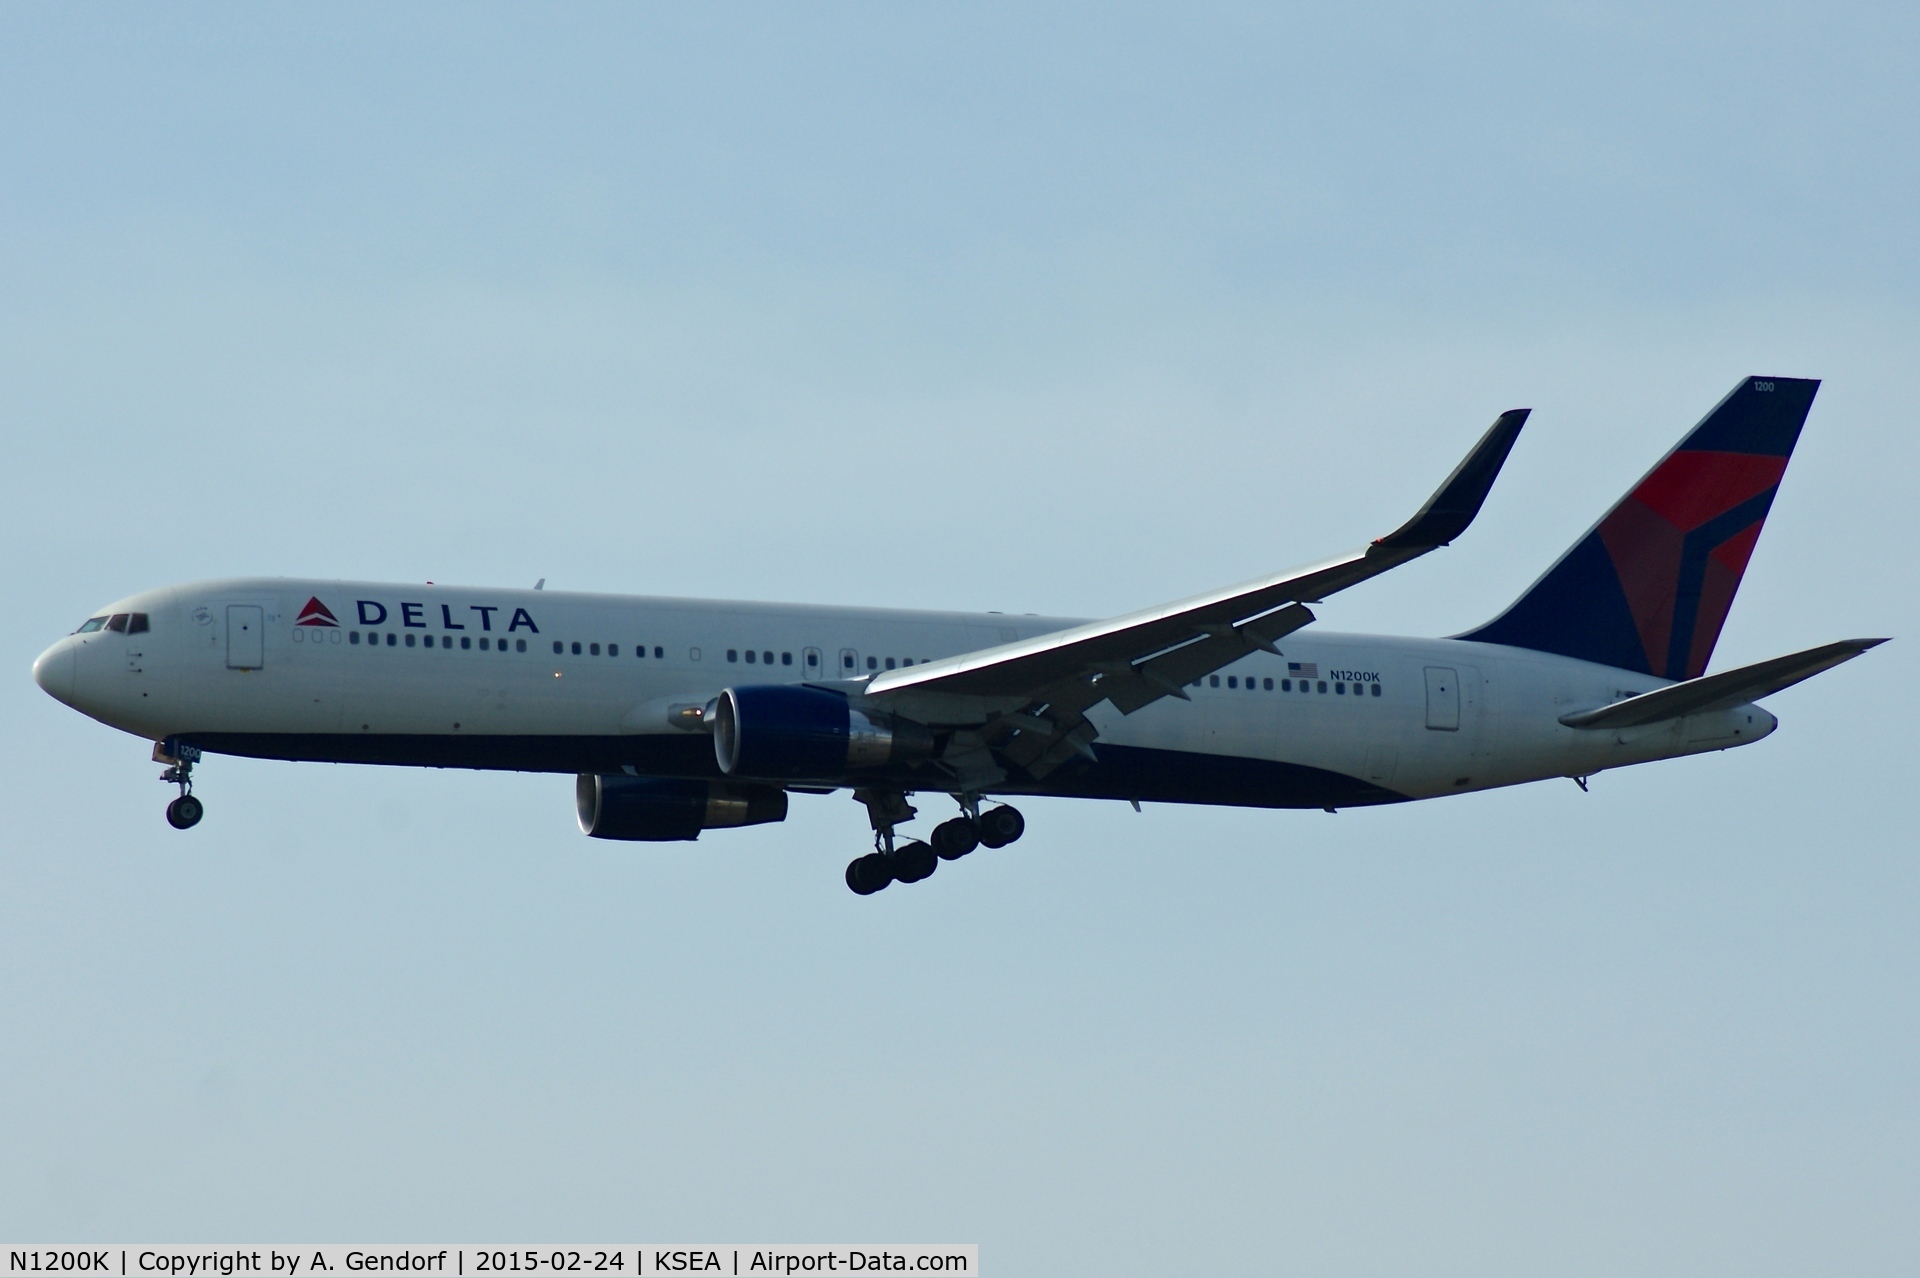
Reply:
x=246, y=637
x=1443, y=699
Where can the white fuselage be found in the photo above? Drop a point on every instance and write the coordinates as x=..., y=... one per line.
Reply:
x=456, y=676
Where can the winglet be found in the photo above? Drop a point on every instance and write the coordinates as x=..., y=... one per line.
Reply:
x=1451, y=508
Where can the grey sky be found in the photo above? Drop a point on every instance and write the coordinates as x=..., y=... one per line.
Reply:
x=1062, y=310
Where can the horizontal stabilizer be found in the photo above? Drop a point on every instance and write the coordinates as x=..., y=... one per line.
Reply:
x=1721, y=691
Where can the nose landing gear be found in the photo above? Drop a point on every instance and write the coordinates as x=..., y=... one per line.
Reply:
x=184, y=812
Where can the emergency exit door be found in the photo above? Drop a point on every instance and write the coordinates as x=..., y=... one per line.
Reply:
x=246, y=637
x=1443, y=699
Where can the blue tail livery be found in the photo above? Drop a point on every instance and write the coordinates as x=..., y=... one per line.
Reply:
x=1648, y=588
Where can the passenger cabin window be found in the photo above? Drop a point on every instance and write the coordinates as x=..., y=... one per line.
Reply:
x=1268, y=683
x=558, y=647
x=751, y=656
x=659, y=653
x=767, y=658
x=786, y=658
x=613, y=650
x=733, y=654
x=873, y=663
x=576, y=647
x=1375, y=689
x=1213, y=681
x=592, y=648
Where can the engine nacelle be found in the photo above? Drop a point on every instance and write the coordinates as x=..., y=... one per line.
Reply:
x=663, y=810
x=791, y=732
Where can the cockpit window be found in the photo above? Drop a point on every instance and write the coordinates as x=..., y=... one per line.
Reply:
x=118, y=623
x=92, y=624
x=137, y=624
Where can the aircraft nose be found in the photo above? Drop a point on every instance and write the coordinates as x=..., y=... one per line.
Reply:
x=53, y=671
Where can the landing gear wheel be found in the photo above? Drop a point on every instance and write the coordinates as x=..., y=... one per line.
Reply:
x=185, y=812
x=954, y=839
x=913, y=862
x=868, y=874
x=1001, y=826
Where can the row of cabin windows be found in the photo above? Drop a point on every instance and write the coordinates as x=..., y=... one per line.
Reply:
x=873, y=663
x=1286, y=685
x=580, y=649
x=125, y=623
x=846, y=659
x=372, y=640
x=593, y=649
x=136, y=623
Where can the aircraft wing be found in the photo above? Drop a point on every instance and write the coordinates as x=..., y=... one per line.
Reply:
x=1042, y=685
x=1721, y=691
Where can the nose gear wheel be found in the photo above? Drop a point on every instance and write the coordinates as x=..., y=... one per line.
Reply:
x=184, y=812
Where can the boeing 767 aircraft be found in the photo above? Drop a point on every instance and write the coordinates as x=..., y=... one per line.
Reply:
x=682, y=715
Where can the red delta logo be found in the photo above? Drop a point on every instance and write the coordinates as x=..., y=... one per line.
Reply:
x=317, y=614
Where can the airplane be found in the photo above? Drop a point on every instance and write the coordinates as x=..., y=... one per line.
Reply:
x=678, y=716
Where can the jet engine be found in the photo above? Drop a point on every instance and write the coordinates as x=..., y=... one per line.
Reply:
x=795, y=733
x=662, y=809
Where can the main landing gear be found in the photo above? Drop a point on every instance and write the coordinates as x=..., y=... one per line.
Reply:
x=913, y=861
x=184, y=812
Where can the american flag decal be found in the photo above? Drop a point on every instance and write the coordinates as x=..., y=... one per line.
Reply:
x=1304, y=669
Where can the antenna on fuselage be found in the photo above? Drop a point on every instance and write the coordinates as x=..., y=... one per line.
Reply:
x=540, y=584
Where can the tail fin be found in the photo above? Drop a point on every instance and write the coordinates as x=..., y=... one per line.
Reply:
x=1648, y=588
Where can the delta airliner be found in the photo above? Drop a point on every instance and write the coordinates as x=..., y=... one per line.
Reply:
x=680, y=715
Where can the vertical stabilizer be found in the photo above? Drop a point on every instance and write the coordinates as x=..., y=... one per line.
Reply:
x=1648, y=588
